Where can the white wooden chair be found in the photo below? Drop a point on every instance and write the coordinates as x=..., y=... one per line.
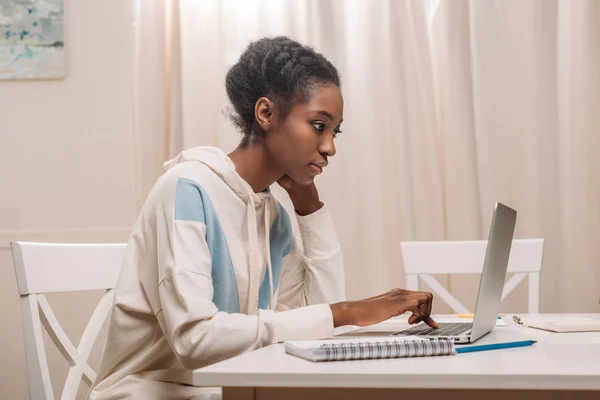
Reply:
x=49, y=267
x=424, y=259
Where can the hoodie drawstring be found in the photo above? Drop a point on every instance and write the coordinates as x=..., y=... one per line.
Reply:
x=268, y=247
x=254, y=269
x=254, y=272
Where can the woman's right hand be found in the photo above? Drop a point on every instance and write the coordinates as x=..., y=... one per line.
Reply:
x=385, y=306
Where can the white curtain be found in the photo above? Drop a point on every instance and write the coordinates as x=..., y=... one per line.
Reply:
x=449, y=108
x=519, y=114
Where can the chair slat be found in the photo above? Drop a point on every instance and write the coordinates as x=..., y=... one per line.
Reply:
x=62, y=341
x=58, y=267
x=87, y=342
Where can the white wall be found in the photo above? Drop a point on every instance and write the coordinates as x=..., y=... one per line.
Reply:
x=66, y=167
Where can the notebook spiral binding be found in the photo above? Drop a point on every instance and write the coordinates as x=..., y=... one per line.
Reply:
x=387, y=349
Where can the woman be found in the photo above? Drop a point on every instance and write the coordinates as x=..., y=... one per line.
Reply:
x=213, y=268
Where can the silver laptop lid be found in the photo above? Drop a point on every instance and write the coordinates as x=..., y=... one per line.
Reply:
x=494, y=270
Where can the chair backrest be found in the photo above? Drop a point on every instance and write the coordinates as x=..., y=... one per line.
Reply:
x=424, y=259
x=51, y=267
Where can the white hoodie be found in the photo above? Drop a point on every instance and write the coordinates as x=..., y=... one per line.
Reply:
x=213, y=270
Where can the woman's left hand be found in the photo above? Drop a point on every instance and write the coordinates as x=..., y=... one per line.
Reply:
x=304, y=197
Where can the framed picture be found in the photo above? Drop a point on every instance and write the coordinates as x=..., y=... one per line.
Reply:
x=31, y=39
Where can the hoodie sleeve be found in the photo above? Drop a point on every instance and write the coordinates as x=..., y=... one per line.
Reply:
x=314, y=272
x=197, y=331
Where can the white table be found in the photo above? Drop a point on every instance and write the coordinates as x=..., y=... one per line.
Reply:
x=559, y=366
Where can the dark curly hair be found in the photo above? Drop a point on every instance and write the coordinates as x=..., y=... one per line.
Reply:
x=279, y=68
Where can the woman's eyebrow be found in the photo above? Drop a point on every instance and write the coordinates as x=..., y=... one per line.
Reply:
x=328, y=116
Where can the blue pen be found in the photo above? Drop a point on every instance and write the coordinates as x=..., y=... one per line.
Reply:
x=495, y=346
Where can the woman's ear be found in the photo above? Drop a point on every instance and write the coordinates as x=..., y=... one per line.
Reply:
x=263, y=113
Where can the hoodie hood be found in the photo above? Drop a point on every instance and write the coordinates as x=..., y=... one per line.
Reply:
x=220, y=163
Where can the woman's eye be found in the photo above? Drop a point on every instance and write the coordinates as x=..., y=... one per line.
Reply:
x=319, y=127
x=335, y=133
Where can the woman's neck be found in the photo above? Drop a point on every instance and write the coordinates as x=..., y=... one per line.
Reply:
x=255, y=165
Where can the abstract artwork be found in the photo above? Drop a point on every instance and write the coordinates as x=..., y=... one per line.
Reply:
x=31, y=39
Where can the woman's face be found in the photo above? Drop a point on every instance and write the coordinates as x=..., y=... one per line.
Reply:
x=302, y=142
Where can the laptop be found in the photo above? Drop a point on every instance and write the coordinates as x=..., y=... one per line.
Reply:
x=490, y=286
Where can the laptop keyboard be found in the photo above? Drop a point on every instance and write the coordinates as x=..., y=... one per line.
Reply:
x=448, y=329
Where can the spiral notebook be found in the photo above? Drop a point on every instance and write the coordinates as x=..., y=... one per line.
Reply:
x=369, y=348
